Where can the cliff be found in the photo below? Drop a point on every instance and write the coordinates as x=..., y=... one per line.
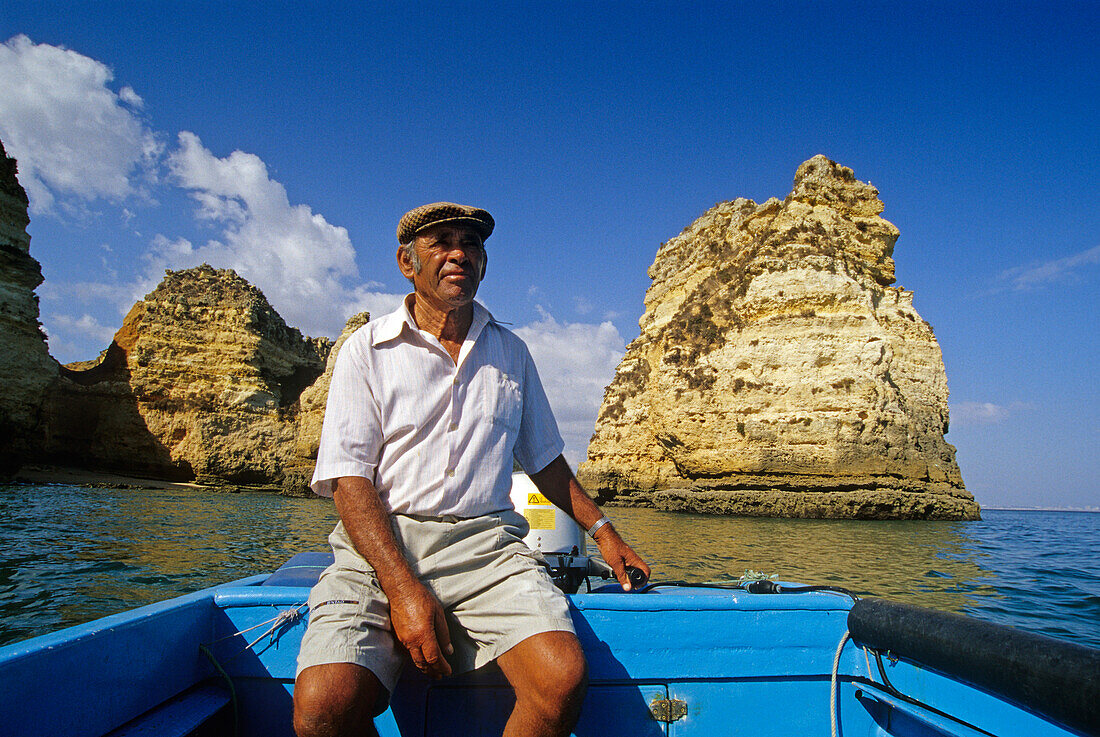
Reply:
x=778, y=372
x=201, y=382
x=25, y=363
x=311, y=413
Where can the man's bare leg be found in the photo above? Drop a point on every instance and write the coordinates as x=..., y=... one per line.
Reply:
x=336, y=699
x=549, y=675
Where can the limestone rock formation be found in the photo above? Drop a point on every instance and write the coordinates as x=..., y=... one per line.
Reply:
x=778, y=372
x=201, y=382
x=26, y=367
x=311, y=414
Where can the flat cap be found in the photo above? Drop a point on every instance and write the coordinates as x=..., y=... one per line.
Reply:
x=425, y=216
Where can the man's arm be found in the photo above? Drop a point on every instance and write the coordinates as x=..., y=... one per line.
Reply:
x=416, y=615
x=558, y=484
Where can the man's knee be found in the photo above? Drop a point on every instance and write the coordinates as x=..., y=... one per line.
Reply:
x=336, y=699
x=573, y=682
x=549, y=674
x=566, y=677
x=556, y=697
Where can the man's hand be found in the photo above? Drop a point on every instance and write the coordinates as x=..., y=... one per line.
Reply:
x=558, y=484
x=419, y=624
x=416, y=615
x=619, y=555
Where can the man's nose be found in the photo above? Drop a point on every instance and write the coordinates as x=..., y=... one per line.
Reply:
x=459, y=254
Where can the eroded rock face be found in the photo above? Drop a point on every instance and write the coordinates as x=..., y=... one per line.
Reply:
x=778, y=373
x=201, y=382
x=26, y=367
x=311, y=414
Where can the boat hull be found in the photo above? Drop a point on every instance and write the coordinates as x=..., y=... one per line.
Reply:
x=671, y=661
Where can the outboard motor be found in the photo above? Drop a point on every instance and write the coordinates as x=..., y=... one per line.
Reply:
x=554, y=534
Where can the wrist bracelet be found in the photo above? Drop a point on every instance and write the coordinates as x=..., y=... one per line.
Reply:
x=599, y=523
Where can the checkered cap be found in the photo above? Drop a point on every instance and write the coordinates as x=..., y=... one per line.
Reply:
x=414, y=221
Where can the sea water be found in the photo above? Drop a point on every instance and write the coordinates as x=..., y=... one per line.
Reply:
x=70, y=554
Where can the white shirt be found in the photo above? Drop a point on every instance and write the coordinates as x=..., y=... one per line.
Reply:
x=435, y=437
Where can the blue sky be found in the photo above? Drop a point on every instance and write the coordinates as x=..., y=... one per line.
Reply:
x=285, y=140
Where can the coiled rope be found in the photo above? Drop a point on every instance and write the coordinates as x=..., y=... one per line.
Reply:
x=833, y=706
x=280, y=620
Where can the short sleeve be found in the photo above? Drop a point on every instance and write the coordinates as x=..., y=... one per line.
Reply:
x=351, y=436
x=538, y=441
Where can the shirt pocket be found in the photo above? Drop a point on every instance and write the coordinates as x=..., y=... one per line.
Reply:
x=503, y=399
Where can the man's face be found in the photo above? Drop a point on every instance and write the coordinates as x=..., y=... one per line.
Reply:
x=452, y=264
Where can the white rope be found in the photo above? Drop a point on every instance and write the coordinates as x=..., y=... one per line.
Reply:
x=283, y=617
x=832, y=684
x=287, y=615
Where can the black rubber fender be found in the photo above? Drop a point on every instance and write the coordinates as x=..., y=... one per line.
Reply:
x=1056, y=679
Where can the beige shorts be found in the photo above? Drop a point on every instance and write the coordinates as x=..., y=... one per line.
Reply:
x=493, y=588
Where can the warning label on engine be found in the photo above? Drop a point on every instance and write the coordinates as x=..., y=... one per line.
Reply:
x=540, y=519
x=537, y=498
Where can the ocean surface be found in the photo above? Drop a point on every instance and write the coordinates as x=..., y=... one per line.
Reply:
x=70, y=554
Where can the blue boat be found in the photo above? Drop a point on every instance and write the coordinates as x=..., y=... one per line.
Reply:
x=761, y=659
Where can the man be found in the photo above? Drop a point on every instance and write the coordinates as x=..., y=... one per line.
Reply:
x=427, y=409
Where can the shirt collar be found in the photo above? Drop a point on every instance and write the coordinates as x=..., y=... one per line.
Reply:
x=390, y=326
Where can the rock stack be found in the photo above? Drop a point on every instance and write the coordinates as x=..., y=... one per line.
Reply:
x=778, y=372
x=27, y=370
x=202, y=382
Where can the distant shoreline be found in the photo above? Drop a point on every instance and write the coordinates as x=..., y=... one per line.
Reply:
x=1092, y=510
x=82, y=477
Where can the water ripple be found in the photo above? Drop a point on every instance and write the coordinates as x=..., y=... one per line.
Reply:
x=72, y=554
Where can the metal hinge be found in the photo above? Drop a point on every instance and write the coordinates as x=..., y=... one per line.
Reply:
x=668, y=710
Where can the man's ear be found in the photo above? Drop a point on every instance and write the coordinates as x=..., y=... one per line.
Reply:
x=484, y=263
x=405, y=263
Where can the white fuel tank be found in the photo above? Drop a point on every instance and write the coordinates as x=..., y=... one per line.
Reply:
x=552, y=530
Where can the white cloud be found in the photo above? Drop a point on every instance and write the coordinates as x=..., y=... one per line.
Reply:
x=73, y=136
x=302, y=263
x=377, y=303
x=89, y=293
x=131, y=98
x=969, y=414
x=298, y=259
x=1063, y=269
x=77, y=140
x=977, y=413
x=576, y=362
x=66, y=330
